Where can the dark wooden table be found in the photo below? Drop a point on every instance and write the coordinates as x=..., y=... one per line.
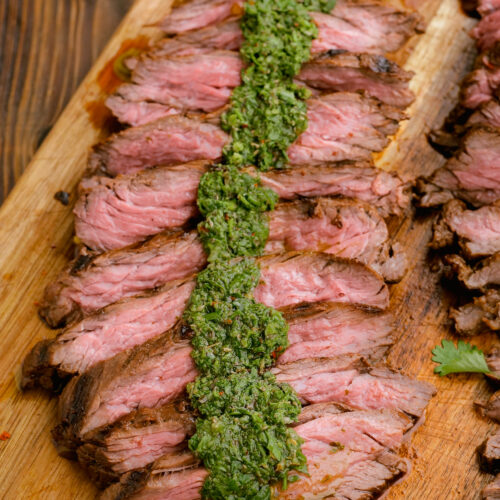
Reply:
x=46, y=48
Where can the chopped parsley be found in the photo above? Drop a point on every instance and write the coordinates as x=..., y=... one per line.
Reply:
x=464, y=358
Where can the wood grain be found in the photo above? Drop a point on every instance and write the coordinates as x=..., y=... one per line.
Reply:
x=36, y=233
x=46, y=48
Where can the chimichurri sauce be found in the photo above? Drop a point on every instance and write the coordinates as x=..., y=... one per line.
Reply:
x=242, y=434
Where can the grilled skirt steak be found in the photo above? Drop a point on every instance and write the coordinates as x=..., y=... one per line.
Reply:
x=93, y=281
x=348, y=380
x=131, y=443
x=339, y=227
x=335, y=329
x=489, y=453
x=340, y=462
x=302, y=278
x=481, y=315
x=473, y=176
x=487, y=31
x=169, y=141
x=137, y=440
x=353, y=25
x=158, y=371
x=342, y=126
x=484, y=274
x=113, y=213
x=487, y=115
x=477, y=231
x=204, y=82
x=492, y=490
x=488, y=6
x=482, y=84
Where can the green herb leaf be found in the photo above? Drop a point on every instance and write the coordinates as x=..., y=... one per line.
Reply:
x=464, y=358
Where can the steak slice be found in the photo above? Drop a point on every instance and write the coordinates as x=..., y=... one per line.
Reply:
x=342, y=126
x=113, y=213
x=168, y=141
x=491, y=408
x=346, y=229
x=487, y=114
x=303, y=278
x=487, y=6
x=353, y=25
x=473, y=176
x=487, y=31
x=489, y=453
x=93, y=281
x=362, y=181
x=477, y=231
x=339, y=227
x=348, y=380
x=160, y=483
x=204, y=82
x=492, y=490
x=109, y=331
x=481, y=315
x=374, y=75
x=337, y=329
x=149, y=376
x=137, y=440
x=294, y=278
x=480, y=86
x=484, y=274
x=352, y=435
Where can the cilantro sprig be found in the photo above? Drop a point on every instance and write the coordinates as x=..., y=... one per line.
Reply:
x=463, y=358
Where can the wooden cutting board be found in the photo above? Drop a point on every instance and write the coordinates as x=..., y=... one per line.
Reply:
x=36, y=242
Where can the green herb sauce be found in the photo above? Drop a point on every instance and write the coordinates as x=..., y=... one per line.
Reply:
x=241, y=433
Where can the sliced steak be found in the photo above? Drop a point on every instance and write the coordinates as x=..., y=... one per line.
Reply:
x=350, y=436
x=354, y=25
x=492, y=490
x=112, y=213
x=105, y=333
x=148, y=376
x=137, y=440
x=197, y=14
x=374, y=75
x=162, y=482
x=477, y=231
x=491, y=408
x=198, y=82
x=480, y=86
x=92, y=281
x=473, y=176
x=342, y=126
x=295, y=278
x=383, y=190
x=484, y=274
x=481, y=315
x=488, y=115
x=204, y=82
x=346, y=229
x=339, y=227
x=487, y=30
x=348, y=380
x=336, y=329
x=487, y=6
x=303, y=278
x=489, y=453
x=169, y=141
